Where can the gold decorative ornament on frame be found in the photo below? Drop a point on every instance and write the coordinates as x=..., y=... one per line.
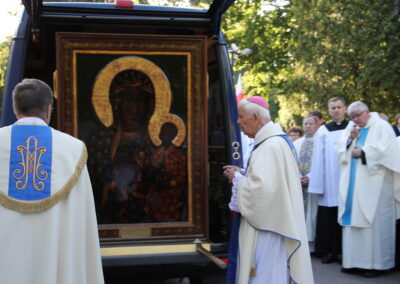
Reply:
x=162, y=91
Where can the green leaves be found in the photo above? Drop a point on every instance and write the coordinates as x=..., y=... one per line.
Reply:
x=309, y=51
x=4, y=51
x=352, y=47
x=265, y=28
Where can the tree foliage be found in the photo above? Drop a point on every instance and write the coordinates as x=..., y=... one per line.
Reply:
x=4, y=52
x=349, y=49
x=265, y=28
x=310, y=50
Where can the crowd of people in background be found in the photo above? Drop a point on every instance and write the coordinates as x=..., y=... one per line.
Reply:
x=350, y=176
x=349, y=179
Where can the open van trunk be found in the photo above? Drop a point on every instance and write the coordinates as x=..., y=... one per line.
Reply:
x=150, y=91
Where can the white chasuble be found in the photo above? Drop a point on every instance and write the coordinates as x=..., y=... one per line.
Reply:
x=382, y=156
x=367, y=200
x=47, y=217
x=271, y=203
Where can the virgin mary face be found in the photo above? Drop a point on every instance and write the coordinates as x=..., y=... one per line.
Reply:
x=134, y=108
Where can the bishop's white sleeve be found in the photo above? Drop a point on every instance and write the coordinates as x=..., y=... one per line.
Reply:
x=233, y=204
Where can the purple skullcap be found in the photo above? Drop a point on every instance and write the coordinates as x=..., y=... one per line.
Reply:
x=259, y=101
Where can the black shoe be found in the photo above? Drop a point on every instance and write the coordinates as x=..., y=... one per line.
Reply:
x=318, y=254
x=350, y=270
x=371, y=273
x=329, y=258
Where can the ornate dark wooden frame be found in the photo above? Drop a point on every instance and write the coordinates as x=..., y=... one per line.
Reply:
x=70, y=44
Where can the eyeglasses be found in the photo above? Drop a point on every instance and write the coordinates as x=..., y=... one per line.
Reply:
x=357, y=115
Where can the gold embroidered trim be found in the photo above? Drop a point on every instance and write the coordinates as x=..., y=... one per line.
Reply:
x=44, y=204
x=30, y=163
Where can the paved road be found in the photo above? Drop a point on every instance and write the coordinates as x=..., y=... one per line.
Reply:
x=331, y=274
x=323, y=274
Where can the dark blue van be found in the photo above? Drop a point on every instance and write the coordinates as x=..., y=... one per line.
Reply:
x=150, y=91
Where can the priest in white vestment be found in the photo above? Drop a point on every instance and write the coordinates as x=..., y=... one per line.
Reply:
x=324, y=181
x=304, y=149
x=369, y=191
x=47, y=216
x=273, y=246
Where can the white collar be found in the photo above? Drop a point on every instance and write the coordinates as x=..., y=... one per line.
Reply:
x=31, y=120
x=266, y=126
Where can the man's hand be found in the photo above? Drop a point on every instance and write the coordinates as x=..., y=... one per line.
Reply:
x=356, y=153
x=229, y=171
x=355, y=131
x=304, y=181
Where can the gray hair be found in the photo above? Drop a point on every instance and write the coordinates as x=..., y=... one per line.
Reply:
x=358, y=105
x=252, y=108
x=311, y=116
x=31, y=97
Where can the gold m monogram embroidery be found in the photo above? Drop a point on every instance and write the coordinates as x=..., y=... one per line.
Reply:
x=30, y=164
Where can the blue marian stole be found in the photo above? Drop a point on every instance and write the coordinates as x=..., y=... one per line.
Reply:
x=346, y=219
x=30, y=162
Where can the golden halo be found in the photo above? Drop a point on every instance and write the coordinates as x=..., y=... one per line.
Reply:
x=162, y=91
